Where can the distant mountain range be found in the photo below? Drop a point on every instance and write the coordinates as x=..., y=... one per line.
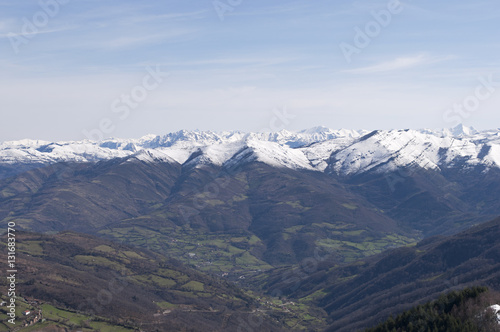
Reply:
x=345, y=152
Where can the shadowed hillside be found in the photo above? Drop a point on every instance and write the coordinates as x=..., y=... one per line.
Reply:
x=360, y=294
x=98, y=278
x=465, y=311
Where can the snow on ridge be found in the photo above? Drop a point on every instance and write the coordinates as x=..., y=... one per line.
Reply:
x=319, y=153
x=216, y=154
x=389, y=150
x=278, y=155
x=188, y=138
x=152, y=156
x=270, y=153
x=25, y=143
x=343, y=151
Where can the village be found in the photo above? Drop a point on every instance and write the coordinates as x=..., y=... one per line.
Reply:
x=29, y=312
x=35, y=315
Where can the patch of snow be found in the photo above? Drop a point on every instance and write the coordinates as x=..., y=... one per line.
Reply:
x=152, y=156
x=343, y=151
x=496, y=310
x=216, y=154
x=278, y=155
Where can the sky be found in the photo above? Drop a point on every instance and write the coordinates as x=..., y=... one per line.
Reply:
x=76, y=69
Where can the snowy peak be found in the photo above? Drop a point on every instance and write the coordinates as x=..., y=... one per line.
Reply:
x=321, y=149
x=388, y=150
x=462, y=131
x=384, y=151
x=270, y=153
x=458, y=131
x=324, y=133
x=151, y=156
x=216, y=154
x=187, y=138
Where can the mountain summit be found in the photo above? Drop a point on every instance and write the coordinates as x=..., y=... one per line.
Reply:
x=345, y=152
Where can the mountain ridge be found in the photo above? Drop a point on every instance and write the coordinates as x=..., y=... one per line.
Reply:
x=344, y=152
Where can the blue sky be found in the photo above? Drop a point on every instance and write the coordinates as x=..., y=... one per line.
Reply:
x=231, y=70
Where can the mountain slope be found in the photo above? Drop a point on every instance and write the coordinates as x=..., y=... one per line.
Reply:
x=251, y=217
x=103, y=279
x=242, y=206
x=402, y=172
x=467, y=310
x=359, y=295
x=428, y=181
x=236, y=204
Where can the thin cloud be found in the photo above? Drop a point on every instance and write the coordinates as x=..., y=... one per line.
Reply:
x=129, y=18
x=137, y=39
x=34, y=33
x=131, y=41
x=174, y=16
x=234, y=61
x=270, y=10
x=398, y=64
x=459, y=12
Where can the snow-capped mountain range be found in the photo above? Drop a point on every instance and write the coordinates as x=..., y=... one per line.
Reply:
x=345, y=152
